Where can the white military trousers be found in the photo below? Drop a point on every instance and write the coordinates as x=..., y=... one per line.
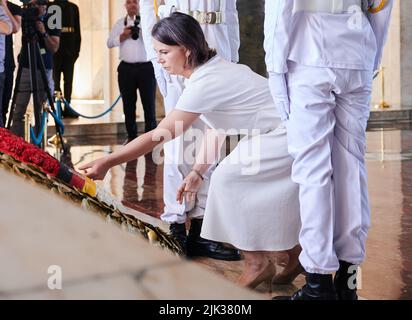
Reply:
x=327, y=139
x=179, y=159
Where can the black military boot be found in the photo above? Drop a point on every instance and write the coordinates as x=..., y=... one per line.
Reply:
x=199, y=247
x=178, y=231
x=318, y=287
x=345, y=281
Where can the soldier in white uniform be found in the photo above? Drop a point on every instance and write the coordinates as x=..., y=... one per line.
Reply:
x=219, y=21
x=320, y=57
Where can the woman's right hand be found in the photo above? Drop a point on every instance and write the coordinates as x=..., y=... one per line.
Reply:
x=97, y=169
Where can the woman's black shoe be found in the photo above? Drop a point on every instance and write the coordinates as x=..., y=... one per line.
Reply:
x=178, y=231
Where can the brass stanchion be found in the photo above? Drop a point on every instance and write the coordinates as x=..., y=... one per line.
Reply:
x=382, y=104
x=55, y=139
x=45, y=109
x=27, y=123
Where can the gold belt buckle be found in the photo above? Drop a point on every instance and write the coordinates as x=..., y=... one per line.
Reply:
x=67, y=30
x=211, y=18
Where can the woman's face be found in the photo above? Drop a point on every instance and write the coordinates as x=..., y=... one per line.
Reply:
x=172, y=58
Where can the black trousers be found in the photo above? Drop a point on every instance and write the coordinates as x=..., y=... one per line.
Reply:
x=132, y=77
x=64, y=64
x=7, y=92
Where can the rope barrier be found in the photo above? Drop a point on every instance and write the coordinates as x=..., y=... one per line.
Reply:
x=58, y=120
x=38, y=139
x=67, y=105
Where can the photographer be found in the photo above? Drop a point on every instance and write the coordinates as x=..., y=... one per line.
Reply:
x=5, y=29
x=48, y=40
x=13, y=11
x=134, y=71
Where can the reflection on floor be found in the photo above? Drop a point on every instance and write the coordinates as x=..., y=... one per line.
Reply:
x=387, y=272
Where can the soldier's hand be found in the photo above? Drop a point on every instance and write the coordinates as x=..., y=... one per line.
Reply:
x=279, y=89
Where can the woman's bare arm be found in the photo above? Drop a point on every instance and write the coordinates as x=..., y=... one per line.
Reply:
x=172, y=126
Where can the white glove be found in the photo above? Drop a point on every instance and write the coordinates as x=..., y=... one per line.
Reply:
x=161, y=77
x=279, y=89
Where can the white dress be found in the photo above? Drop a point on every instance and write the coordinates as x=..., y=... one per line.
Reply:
x=252, y=203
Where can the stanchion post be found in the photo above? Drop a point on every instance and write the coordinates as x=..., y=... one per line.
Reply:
x=45, y=109
x=382, y=104
x=27, y=124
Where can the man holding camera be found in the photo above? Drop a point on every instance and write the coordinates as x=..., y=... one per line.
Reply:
x=5, y=29
x=48, y=39
x=13, y=11
x=135, y=71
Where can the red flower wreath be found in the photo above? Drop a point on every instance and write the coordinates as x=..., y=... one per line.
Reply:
x=27, y=153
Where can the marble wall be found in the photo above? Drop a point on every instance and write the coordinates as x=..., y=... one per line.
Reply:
x=391, y=61
x=251, y=17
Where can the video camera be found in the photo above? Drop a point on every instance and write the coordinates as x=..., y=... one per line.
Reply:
x=30, y=14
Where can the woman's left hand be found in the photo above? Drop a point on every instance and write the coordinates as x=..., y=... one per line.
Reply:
x=189, y=188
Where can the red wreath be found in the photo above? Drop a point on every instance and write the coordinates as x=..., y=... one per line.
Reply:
x=27, y=153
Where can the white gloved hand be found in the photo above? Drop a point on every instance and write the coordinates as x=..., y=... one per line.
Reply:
x=161, y=78
x=279, y=89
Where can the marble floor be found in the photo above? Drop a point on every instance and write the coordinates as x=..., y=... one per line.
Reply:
x=387, y=272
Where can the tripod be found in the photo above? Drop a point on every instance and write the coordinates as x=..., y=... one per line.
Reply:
x=30, y=40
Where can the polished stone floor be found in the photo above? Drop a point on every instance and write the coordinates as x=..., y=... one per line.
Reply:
x=387, y=272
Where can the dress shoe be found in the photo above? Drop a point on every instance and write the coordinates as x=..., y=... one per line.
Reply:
x=199, y=247
x=178, y=231
x=345, y=281
x=318, y=287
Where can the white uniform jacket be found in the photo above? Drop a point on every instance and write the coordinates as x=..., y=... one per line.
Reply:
x=336, y=40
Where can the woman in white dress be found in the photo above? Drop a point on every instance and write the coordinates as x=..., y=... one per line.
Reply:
x=220, y=24
x=253, y=203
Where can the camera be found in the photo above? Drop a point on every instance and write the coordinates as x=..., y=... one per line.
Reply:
x=30, y=14
x=135, y=29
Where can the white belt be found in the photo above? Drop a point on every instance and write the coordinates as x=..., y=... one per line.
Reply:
x=327, y=6
x=211, y=17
